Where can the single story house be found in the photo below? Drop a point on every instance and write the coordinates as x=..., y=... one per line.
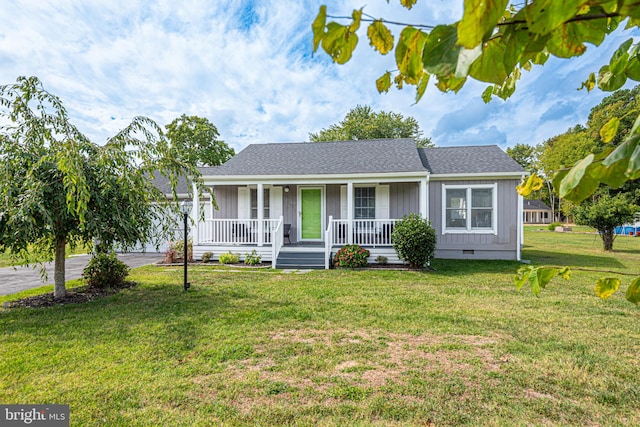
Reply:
x=536, y=212
x=296, y=204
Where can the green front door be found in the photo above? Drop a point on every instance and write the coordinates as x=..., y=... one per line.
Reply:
x=311, y=203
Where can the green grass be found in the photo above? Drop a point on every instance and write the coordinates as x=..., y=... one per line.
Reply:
x=6, y=260
x=458, y=346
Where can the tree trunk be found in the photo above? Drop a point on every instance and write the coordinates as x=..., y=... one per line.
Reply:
x=607, y=238
x=59, y=289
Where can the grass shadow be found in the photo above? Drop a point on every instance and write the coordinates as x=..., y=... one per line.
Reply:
x=576, y=260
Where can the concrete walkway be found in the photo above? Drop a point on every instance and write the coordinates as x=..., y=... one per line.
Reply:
x=18, y=279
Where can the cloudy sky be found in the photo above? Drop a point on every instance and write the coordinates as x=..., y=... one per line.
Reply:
x=248, y=67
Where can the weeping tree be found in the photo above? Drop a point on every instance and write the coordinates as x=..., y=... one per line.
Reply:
x=58, y=188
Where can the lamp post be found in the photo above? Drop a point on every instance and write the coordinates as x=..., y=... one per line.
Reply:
x=185, y=207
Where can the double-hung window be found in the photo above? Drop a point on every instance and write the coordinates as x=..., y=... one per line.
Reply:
x=469, y=208
x=364, y=206
x=254, y=203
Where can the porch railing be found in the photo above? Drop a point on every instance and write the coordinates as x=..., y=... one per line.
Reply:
x=237, y=231
x=365, y=232
x=278, y=241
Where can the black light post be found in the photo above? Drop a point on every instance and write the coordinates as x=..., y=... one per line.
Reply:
x=185, y=207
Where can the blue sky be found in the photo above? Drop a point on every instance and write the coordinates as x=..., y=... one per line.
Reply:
x=247, y=66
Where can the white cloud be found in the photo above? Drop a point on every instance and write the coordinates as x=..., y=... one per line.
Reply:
x=247, y=67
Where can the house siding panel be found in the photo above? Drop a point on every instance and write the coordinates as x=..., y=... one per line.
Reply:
x=485, y=246
x=227, y=200
x=333, y=202
x=290, y=210
x=404, y=198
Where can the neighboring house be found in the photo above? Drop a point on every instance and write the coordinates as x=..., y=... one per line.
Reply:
x=536, y=212
x=296, y=204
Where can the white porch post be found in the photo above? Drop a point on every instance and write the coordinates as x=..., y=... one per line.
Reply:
x=260, y=214
x=350, y=213
x=195, y=215
x=424, y=198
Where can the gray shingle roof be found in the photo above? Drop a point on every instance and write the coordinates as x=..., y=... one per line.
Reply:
x=366, y=156
x=537, y=205
x=346, y=157
x=468, y=159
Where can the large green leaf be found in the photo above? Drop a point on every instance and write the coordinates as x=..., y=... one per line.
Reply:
x=607, y=286
x=422, y=86
x=479, y=18
x=633, y=171
x=441, y=50
x=577, y=185
x=620, y=58
x=632, y=69
x=544, y=16
x=533, y=183
x=409, y=54
x=339, y=43
x=489, y=67
x=623, y=152
x=380, y=37
x=609, y=130
x=318, y=27
x=568, y=40
x=608, y=81
x=383, y=83
x=633, y=291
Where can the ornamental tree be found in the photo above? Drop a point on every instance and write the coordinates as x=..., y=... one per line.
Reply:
x=604, y=213
x=59, y=188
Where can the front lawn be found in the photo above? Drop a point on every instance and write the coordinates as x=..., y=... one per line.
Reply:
x=458, y=346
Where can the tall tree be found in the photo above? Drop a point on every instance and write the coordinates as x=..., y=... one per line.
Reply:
x=526, y=155
x=59, y=188
x=195, y=141
x=364, y=123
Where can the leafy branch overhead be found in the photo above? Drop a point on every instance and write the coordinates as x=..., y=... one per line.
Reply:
x=493, y=43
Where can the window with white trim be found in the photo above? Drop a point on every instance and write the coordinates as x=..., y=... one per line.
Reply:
x=254, y=203
x=469, y=208
x=364, y=206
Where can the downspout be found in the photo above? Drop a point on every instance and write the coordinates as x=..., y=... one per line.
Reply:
x=520, y=231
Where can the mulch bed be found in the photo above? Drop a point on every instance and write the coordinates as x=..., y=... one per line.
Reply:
x=76, y=296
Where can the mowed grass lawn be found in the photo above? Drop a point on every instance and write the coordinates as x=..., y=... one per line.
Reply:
x=458, y=346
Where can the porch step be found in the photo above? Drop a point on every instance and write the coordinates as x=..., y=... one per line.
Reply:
x=301, y=260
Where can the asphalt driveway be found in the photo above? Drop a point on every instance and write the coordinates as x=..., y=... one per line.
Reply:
x=18, y=279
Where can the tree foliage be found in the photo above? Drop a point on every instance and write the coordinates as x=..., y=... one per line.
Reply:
x=364, y=123
x=58, y=187
x=605, y=213
x=194, y=140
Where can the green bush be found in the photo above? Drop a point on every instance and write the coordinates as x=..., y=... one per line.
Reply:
x=553, y=225
x=206, y=257
x=105, y=271
x=253, y=258
x=414, y=240
x=229, y=258
x=351, y=256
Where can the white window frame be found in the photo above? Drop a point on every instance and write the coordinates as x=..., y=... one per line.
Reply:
x=469, y=229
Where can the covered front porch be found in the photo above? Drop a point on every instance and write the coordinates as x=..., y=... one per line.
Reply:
x=302, y=217
x=269, y=240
